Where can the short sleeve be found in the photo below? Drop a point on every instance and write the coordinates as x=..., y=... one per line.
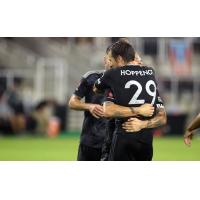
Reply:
x=82, y=88
x=103, y=82
x=159, y=101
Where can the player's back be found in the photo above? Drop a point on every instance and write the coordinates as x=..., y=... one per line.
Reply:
x=133, y=85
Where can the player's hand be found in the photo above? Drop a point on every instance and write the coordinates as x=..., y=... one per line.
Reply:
x=188, y=137
x=96, y=110
x=146, y=110
x=133, y=125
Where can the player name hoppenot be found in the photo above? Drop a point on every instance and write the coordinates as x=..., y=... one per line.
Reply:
x=136, y=73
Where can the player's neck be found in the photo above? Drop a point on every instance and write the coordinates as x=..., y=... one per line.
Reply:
x=132, y=63
x=135, y=62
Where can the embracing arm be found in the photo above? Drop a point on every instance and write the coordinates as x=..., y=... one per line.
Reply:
x=135, y=125
x=159, y=120
x=75, y=103
x=113, y=110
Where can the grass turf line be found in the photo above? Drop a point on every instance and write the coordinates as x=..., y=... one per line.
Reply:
x=65, y=149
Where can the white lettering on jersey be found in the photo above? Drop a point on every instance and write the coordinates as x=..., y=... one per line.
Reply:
x=136, y=73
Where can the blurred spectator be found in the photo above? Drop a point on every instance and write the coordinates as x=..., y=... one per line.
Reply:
x=6, y=114
x=9, y=122
x=60, y=111
x=14, y=97
x=41, y=116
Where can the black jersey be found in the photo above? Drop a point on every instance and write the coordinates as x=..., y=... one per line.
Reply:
x=93, y=129
x=110, y=128
x=131, y=86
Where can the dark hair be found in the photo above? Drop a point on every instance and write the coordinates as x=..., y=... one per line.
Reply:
x=124, y=40
x=124, y=49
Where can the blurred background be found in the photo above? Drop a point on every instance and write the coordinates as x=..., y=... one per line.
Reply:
x=38, y=76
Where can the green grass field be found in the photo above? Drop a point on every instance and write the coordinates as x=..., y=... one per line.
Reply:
x=65, y=148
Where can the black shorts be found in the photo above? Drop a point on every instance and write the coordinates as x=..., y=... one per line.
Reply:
x=126, y=148
x=86, y=153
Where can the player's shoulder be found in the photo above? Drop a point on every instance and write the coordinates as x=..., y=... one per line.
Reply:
x=112, y=70
x=111, y=73
x=93, y=73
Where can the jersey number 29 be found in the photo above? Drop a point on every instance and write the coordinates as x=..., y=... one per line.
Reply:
x=134, y=99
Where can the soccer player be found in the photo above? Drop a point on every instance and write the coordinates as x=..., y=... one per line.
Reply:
x=132, y=86
x=93, y=130
x=194, y=124
x=133, y=124
x=94, y=124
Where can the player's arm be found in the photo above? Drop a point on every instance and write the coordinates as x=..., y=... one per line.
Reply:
x=135, y=125
x=75, y=103
x=194, y=124
x=160, y=119
x=112, y=110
